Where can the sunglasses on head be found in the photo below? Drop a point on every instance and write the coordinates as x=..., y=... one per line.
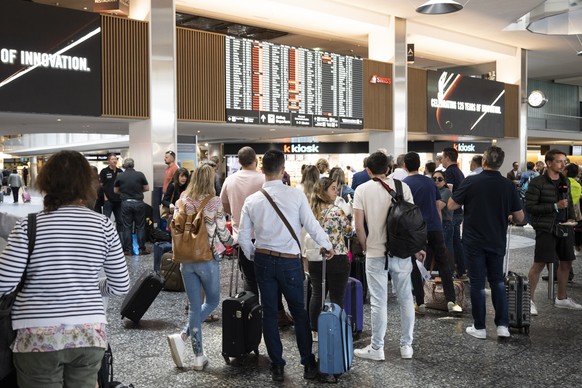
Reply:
x=438, y=179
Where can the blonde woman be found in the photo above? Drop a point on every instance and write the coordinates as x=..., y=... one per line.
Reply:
x=201, y=275
x=336, y=224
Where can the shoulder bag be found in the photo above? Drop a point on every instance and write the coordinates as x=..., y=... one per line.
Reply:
x=165, y=210
x=282, y=216
x=7, y=334
x=190, y=237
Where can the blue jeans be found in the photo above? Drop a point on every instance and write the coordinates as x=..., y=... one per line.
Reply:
x=487, y=262
x=377, y=277
x=115, y=208
x=458, y=244
x=133, y=212
x=276, y=274
x=198, y=276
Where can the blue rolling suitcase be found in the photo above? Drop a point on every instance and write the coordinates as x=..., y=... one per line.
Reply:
x=335, y=342
x=354, y=305
x=160, y=248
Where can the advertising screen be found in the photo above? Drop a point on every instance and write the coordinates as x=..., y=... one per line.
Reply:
x=272, y=84
x=463, y=105
x=50, y=59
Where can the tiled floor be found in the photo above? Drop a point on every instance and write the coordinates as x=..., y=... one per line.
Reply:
x=444, y=356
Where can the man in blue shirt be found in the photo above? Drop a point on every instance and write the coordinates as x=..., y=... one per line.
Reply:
x=455, y=177
x=360, y=177
x=427, y=197
x=488, y=198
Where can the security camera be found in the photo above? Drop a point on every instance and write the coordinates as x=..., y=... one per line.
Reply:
x=579, y=53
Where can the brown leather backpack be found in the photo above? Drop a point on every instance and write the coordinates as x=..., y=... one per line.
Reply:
x=190, y=237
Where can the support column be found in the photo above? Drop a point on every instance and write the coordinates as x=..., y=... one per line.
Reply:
x=513, y=70
x=389, y=44
x=150, y=139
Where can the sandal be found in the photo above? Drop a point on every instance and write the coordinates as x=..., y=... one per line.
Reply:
x=212, y=318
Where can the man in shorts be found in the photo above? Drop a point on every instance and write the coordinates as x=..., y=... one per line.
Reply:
x=546, y=201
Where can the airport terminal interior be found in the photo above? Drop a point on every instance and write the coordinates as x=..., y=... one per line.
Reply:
x=331, y=79
x=444, y=355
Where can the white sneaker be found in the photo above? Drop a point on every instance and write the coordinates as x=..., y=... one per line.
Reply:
x=533, y=309
x=567, y=303
x=178, y=349
x=477, y=333
x=503, y=332
x=370, y=353
x=200, y=362
x=314, y=336
x=406, y=352
x=454, y=308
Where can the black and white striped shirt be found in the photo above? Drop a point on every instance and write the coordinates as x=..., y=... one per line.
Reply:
x=62, y=285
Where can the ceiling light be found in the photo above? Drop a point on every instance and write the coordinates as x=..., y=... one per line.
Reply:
x=439, y=7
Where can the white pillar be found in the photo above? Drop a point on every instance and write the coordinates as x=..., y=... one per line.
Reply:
x=385, y=45
x=513, y=70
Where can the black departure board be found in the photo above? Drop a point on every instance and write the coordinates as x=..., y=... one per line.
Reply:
x=273, y=84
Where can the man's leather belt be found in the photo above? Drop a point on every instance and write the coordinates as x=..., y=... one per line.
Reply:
x=277, y=254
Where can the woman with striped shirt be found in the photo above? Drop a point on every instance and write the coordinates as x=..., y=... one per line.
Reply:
x=201, y=275
x=59, y=314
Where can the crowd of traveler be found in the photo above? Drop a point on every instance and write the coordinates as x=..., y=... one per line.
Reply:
x=267, y=217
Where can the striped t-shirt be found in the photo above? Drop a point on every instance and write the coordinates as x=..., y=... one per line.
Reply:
x=62, y=285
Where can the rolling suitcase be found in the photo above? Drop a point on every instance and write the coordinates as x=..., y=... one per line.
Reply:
x=160, y=248
x=242, y=326
x=335, y=342
x=354, y=306
x=518, y=295
x=25, y=195
x=171, y=273
x=141, y=296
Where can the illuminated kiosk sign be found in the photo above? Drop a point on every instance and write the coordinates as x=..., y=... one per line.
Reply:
x=51, y=66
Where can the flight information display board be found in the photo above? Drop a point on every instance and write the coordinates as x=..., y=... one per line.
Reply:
x=273, y=84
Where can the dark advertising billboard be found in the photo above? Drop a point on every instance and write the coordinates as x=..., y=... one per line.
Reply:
x=463, y=105
x=50, y=59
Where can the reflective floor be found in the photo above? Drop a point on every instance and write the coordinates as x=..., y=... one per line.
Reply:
x=444, y=356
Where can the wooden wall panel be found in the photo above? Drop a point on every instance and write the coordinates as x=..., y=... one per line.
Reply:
x=201, y=76
x=125, y=67
x=377, y=97
x=511, y=111
x=417, y=100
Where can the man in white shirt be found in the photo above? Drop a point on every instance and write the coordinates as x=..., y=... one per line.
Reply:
x=236, y=188
x=371, y=203
x=399, y=172
x=476, y=165
x=277, y=256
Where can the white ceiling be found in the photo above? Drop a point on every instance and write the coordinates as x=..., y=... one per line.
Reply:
x=343, y=26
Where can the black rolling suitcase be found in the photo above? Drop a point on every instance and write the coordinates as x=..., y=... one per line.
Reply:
x=141, y=296
x=518, y=295
x=242, y=326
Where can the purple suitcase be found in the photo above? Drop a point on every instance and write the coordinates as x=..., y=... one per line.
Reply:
x=354, y=305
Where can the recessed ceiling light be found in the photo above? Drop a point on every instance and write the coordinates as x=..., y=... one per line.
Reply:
x=85, y=8
x=197, y=131
x=272, y=129
x=205, y=144
x=58, y=119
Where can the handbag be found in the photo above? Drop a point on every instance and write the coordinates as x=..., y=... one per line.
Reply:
x=190, y=237
x=434, y=294
x=165, y=210
x=562, y=231
x=7, y=334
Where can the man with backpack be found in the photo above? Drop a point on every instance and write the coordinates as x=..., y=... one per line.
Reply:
x=526, y=177
x=371, y=203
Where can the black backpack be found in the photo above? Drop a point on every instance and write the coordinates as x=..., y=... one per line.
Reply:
x=405, y=227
